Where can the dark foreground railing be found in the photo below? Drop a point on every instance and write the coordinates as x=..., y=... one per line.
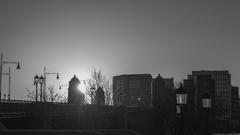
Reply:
x=70, y=132
x=28, y=102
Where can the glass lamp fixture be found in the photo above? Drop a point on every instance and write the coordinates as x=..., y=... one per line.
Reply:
x=181, y=95
x=206, y=100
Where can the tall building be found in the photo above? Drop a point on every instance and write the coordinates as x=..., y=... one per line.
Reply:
x=197, y=86
x=132, y=90
x=222, y=92
x=235, y=103
x=169, y=83
x=163, y=95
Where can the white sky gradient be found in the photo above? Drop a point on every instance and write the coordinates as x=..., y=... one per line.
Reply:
x=170, y=38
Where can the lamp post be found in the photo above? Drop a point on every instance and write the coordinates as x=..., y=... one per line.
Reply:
x=9, y=82
x=45, y=73
x=41, y=80
x=206, y=104
x=37, y=80
x=1, y=68
x=36, y=83
x=181, y=98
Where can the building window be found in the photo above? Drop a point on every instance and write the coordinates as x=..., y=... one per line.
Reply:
x=134, y=84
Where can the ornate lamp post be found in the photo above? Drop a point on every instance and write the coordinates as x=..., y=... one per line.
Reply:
x=1, y=68
x=206, y=104
x=36, y=83
x=37, y=80
x=41, y=81
x=9, y=82
x=181, y=98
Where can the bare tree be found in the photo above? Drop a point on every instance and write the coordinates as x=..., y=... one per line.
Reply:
x=108, y=93
x=53, y=96
x=50, y=96
x=99, y=80
x=31, y=94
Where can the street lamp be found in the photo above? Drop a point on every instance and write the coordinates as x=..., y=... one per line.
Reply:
x=45, y=79
x=35, y=83
x=41, y=81
x=206, y=104
x=37, y=80
x=181, y=95
x=9, y=82
x=1, y=68
x=181, y=98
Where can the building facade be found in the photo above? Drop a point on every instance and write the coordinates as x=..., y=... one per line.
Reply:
x=132, y=90
x=197, y=86
x=235, y=103
x=222, y=92
x=163, y=95
x=169, y=82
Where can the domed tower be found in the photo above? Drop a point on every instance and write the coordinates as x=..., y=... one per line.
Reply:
x=100, y=98
x=74, y=95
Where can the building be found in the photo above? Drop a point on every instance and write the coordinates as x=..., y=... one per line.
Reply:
x=100, y=98
x=74, y=94
x=162, y=90
x=194, y=113
x=132, y=90
x=163, y=95
x=169, y=82
x=201, y=84
x=222, y=92
x=235, y=103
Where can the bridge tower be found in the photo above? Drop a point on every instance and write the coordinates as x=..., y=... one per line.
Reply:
x=100, y=98
x=74, y=94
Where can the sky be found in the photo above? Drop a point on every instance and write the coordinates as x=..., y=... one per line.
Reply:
x=170, y=38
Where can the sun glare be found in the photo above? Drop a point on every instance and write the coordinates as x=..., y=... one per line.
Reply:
x=82, y=88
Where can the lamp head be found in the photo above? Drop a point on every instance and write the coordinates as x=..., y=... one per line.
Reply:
x=181, y=95
x=41, y=79
x=18, y=65
x=206, y=100
x=36, y=78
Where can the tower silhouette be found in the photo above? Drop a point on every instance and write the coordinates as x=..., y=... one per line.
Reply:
x=74, y=94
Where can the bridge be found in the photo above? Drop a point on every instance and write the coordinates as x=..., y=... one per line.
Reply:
x=70, y=132
x=24, y=108
x=19, y=115
x=54, y=115
x=21, y=108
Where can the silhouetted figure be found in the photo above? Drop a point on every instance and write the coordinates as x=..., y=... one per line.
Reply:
x=74, y=94
x=100, y=98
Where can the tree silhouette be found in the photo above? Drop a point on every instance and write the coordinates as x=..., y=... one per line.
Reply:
x=99, y=80
x=50, y=96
